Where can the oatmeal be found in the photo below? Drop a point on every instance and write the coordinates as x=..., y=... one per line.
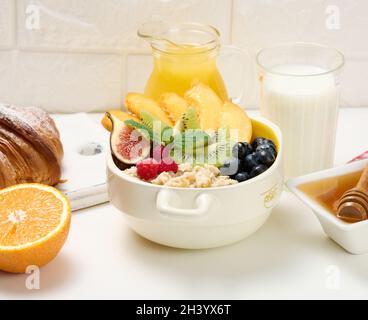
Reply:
x=189, y=176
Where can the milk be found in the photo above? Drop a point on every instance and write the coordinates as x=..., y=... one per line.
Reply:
x=306, y=110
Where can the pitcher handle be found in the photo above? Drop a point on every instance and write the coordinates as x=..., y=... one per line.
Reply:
x=246, y=67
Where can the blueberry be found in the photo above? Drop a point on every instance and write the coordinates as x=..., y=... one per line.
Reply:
x=265, y=157
x=230, y=167
x=242, y=176
x=241, y=150
x=270, y=143
x=257, y=170
x=267, y=147
x=242, y=166
x=250, y=161
x=257, y=142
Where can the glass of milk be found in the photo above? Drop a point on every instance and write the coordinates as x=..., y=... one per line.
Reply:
x=299, y=91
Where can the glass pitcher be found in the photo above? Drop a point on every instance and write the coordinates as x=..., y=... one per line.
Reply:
x=185, y=53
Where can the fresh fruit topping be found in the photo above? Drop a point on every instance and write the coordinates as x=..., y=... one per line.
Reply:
x=34, y=225
x=191, y=140
x=148, y=169
x=207, y=105
x=234, y=118
x=136, y=103
x=200, y=116
x=265, y=157
x=174, y=105
x=257, y=170
x=267, y=147
x=188, y=120
x=140, y=127
x=106, y=122
x=168, y=165
x=263, y=141
x=159, y=129
x=160, y=152
x=241, y=176
x=197, y=147
x=250, y=161
x=257, y=142
x=242, y=149
x=214, y=154
x=207, y=131
x=270, y=143
x=128, y=146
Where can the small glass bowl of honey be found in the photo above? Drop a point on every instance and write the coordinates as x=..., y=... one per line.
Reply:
x=322, y=192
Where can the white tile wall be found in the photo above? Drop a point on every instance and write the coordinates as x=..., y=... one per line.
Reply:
x=111, y=25
x=262, y=23
x=6, y=23
x=61, y=82
x=84, y=54
x=138, y=68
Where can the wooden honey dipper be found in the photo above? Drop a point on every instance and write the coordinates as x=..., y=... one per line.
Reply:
x=353, y=204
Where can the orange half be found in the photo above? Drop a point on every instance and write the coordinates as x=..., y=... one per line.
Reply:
x=34, y=224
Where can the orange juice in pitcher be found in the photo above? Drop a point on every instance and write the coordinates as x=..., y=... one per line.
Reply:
x=183, y=53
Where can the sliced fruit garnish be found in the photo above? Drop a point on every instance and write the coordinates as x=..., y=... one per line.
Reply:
x=191, y=140
x=128, y=145
x=198, y=147
x=174, y=105
x=140, y=127
x=160, y=130
x=34, y=224
x=188, y=120
x=234, y=117
x=137, y=103
x=207, y=104
x=215, y=154
x=122, y=115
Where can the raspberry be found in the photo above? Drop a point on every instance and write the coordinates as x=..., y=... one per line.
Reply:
x=167, y=165
x=159, y=152
x=148, y=169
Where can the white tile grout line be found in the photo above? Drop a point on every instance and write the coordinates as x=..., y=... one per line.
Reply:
x=127, y=51
x=117, y=51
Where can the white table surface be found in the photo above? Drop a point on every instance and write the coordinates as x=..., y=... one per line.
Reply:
x=289, y=257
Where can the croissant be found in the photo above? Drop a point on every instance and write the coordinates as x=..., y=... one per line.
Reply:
x=30, y=147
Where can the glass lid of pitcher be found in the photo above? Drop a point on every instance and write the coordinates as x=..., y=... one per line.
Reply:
x=174, y=37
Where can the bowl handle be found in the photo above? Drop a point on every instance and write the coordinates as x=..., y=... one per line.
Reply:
x=203, y=203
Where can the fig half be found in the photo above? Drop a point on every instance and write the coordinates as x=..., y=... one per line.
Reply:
x=128, y=146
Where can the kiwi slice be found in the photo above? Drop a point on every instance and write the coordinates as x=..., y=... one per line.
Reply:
x=189, y=120
x=190, y=141
x=215, y=154
x=140, y=127
x=163, y=135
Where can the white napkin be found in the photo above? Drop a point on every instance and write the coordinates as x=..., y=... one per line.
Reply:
x=85, y=173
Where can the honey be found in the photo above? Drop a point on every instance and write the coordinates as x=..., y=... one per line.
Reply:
x=327, y=192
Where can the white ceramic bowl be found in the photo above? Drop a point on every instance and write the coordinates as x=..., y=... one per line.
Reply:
x=353, y=237
x=199, y=218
